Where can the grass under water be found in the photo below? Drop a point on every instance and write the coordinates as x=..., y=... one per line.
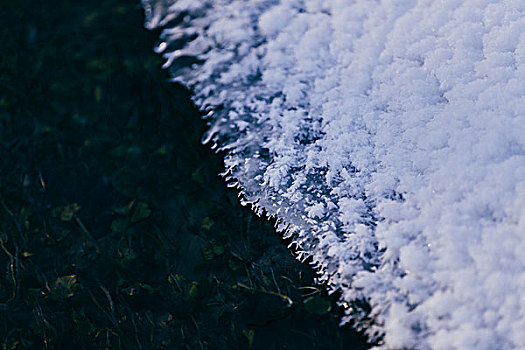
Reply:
x=115, y=230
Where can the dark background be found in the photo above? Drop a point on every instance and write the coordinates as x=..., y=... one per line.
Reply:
x=115, y=230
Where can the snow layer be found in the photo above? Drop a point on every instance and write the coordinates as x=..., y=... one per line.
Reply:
x=388, y=137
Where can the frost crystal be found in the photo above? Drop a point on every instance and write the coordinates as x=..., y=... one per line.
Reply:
x=388, y=137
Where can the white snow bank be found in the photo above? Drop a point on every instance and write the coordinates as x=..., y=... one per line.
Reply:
x=389, y=138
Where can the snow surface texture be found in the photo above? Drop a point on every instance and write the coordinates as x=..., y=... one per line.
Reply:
x=388, y=137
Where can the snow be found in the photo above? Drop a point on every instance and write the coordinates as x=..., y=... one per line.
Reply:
x=389, y=139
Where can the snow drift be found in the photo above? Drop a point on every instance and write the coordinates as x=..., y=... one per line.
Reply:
x=388, y=137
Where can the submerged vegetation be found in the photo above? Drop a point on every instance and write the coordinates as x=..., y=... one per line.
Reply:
x=115, y=230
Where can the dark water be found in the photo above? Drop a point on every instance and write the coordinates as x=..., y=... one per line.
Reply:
x=115, y=231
